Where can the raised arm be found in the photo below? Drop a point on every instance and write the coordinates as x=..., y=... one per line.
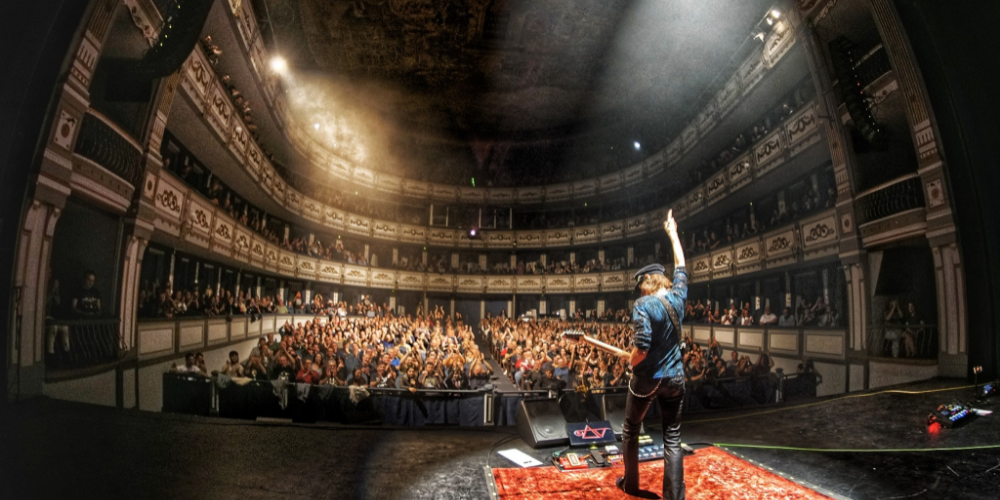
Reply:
x=670, y=225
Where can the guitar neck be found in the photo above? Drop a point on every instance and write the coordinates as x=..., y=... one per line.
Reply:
x=601, y=345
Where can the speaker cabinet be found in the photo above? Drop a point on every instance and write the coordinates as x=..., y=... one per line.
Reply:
x=541, y=423
x=613, y=410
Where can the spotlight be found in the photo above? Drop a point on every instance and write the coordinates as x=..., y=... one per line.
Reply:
x=473, y=233
x=770, y=22
x=776, y=14
x=316, y=126
x=279, y=65
x=637, y=145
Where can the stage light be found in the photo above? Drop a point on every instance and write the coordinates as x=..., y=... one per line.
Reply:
x=316, y=126
x=770, y=22
x=472, y=232
x=279, y=65
x=776, y=13
x=637, y=145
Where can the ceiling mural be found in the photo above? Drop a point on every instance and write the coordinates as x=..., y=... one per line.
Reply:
x=512, y=91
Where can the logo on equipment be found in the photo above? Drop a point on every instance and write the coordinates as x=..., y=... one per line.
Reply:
x=589, y=432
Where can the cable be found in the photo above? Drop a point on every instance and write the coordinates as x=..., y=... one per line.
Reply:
x=858, y=450
x=851, y=396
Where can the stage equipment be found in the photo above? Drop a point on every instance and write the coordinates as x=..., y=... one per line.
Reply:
x=852, y=91
x=541, y=423
x=949, y=415
x=613, y=410
x=590, y=433
x=182, y=25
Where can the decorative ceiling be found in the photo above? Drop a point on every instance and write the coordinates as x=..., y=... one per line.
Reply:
x=511, y=92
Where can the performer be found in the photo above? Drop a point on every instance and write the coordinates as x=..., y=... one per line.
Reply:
x=658, y=371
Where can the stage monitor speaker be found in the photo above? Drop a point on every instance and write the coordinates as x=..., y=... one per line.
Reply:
x=613, y=410
x=541, y=423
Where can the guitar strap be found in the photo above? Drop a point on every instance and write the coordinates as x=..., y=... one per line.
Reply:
x=672, y=314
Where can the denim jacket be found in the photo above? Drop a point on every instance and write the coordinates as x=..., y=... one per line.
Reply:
x=653, y=331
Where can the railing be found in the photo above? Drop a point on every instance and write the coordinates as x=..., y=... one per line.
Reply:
x=895, y=197
x=83, y=343
x=799, y=131
x=903, y=341
x=109, y=146
x=747, y=76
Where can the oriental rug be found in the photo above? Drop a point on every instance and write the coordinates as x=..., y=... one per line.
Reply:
x=710, y=473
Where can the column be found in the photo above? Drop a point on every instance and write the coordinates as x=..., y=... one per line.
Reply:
x=952, y=339
x=31, y=278
x=852, y=254
x=451, y=307
x=857, y=298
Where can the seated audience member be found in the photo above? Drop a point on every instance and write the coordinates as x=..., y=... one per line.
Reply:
x=768, y=318
x=232, y=367
x=746, y=319
x=283, y=368
x=255, y=368
x=384, y=376
x=307, y=375
x=828, y=318
x=190, y=366
x=409, y=380
x=786, y=319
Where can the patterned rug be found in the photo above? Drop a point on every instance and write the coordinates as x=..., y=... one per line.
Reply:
x=708, y=474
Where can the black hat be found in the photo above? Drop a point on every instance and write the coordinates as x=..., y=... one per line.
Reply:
x=649, y=269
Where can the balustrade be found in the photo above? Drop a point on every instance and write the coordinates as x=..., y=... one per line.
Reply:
x=92, y=342
x=110, y=147
x=898, y=196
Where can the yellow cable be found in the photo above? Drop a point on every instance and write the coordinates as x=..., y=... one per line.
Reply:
x=850, y=396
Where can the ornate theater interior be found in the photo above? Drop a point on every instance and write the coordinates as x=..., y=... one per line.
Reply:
x=348, y=248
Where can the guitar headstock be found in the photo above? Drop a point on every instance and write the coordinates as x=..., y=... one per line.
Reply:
x=574, y=335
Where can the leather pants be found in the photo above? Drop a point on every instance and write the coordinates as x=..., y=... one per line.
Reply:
x=670, y=396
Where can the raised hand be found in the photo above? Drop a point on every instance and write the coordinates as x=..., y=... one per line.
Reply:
x=670, y=225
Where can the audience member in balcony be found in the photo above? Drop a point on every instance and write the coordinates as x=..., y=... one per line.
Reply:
x=768, y=318
x=831, y=197
x=232, y=366
x=786, y=319
x=86, y=303
x=828, y=318
x=280, y=308
x=713, y=241
x=729, y=317
x=55, y=314
x=913, y=330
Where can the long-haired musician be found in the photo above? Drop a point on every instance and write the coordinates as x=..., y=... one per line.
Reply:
x=658, y=372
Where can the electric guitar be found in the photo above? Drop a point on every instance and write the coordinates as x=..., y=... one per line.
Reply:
x=577, y=336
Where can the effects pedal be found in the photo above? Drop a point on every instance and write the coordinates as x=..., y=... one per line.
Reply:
x=650, y=452
x=598, y=458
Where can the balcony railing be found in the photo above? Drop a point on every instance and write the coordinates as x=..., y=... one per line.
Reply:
x=889, y=199
x=109, y=146
x=903, y=341
x=90, y=342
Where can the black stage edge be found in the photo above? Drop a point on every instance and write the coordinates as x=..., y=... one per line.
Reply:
x=55, y=449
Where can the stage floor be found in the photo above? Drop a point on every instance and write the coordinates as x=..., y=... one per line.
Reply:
x=860, y=446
